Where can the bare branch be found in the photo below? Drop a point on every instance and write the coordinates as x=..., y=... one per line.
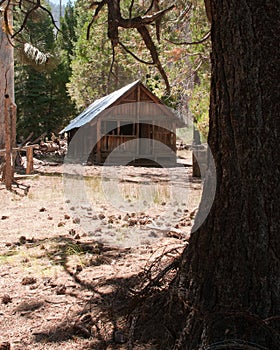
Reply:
x=111, y=68
x=130, y=9
x=134, y=56
x=96, y=13
x=145, y=20
x=206, y=36
x=115, y=21
x=28, y=13
x=150, y=7
x=51, y=16
x=143, y=31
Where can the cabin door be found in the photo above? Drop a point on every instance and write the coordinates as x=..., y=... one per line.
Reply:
x=146, y=136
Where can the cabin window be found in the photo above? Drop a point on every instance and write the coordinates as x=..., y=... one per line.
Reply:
x=127, y=129
x=109, y=127
x=112, y=127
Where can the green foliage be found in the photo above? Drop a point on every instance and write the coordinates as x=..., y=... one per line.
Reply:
x=40, y=92
x=85, y=66
x=200, y=94
x=93, y=75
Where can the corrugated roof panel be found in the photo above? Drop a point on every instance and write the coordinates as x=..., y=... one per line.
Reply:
x=97, y=107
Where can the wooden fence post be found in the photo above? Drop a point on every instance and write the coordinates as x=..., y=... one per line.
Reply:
x=8, y=175
x=29, y=159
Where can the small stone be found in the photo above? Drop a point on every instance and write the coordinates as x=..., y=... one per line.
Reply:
x=42, y=210
x=76, y=220
x=28, y=280
x=86, y=319
x=79, y=268
x=60, y=224
x=50, y=217
x=22, y=239
x=6, y=299
x=119, y=337
x=101, y=216
x=66, y=217
x=4, y=217
x=61, y=290
x=132, y=222
x=77, y=236
x=72, y=232
x=5, y=346
x=67, y=201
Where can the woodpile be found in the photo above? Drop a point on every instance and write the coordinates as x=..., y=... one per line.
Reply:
x=56, y=146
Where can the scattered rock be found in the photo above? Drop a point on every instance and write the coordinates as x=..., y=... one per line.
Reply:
x=42, y=210
x=193, y=213
x=61, y=290
x=6, y=299
x=50, y=217
x=72, y=232
x=66, y=217
x=132, y=222
x=5, y=346
x=77, y=236
x=28, y=280
x=86, y=319
x=79, y=269
x=60, y=224
x=76, y=220
x=81, y=331
x=119, y=337
x=22, y=240
x=29, y=305
x=101, y=216
x=4, y=217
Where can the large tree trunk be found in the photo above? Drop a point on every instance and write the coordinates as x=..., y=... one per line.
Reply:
x=229, y=279
x=6, y=74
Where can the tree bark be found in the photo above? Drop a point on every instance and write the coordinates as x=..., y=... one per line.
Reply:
x=6, y=74
x=228, y=282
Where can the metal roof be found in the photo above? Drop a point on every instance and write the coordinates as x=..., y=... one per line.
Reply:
x=97, y=107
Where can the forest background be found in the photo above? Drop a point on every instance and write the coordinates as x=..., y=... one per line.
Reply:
x=77, y=68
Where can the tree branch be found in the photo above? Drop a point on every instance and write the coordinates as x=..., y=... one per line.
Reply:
x=29, y=12
x=143, y=31
x=130, y=9
x=96, y=13
x=208, y=10
x=206, y=36
x=145, y=20
x=134, y=56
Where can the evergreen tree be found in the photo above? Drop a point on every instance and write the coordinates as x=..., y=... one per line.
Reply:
x=41, y=97
x=93, y=74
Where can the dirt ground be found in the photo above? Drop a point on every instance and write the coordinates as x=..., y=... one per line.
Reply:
x=78, y=247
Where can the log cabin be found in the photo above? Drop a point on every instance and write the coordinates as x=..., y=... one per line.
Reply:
x=128, y=126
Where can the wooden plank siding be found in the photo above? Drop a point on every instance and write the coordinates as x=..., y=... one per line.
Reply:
x=136, y=115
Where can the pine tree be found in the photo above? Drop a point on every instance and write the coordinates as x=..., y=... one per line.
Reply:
x=42, y=100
